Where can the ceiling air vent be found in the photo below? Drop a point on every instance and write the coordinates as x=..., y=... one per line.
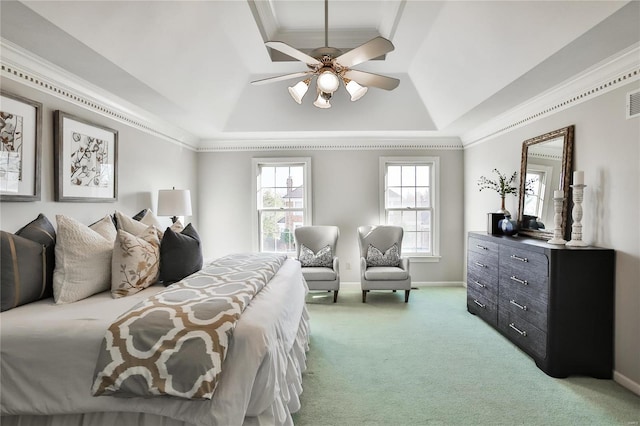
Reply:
x=633, y=104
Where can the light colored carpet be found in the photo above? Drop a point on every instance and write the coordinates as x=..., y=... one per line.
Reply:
x=430, y=362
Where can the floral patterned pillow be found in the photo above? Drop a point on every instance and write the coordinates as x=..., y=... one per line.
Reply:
x=391, y=257
x=323, y=257
x=135, y=263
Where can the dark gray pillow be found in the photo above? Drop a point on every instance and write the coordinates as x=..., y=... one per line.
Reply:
x=22, y=266
x=41, y=231
x=180, y=254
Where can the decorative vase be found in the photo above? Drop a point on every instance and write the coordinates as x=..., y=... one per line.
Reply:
x=508, y=225
x=503, y=210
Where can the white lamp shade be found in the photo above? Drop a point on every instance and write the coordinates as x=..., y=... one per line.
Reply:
x=328, y=82
x=355, y=90
x=321, y=102
x=174, y=202
x=298, y=91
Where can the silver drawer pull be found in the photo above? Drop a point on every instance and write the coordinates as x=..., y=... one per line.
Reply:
x=518, y=280
x=481, y=247
x=479, y=284
x=480, y=264
x=520, y=332
x=514, y=303
x=479, y=304
x=521, y=259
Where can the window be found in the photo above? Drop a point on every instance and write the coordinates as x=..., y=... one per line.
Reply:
x=282, y=200
x=410, y=199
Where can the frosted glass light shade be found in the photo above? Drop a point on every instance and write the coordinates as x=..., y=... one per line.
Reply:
x=328, y=82
x=174, y=202
x=322, y=101
x=355, y=90
x=297, y=92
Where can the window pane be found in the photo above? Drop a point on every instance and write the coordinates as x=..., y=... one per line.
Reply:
x=408, y=197
x=394, y=218
x=423, y=199
x=268, y=198
x=267, y=176
x=297, y=176
x=270, y=229
x=408, y=175
x=393, y=197
x=393, y=176
x=409, y=220
x=424, y=221
x=282, y=174
x=422, y=176
x=409, y=242
x=423, y=242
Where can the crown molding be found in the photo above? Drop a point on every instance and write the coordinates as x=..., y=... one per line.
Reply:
x=333, y=143
x=24, y=67
x=608, y=75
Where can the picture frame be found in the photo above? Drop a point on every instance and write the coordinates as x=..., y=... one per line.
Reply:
x=85, y=160
x=20, y=147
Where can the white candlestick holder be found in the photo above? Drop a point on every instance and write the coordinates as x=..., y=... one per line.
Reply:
x=557, y=220
x=576, y=215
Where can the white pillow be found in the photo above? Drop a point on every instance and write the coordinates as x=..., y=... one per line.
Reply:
x=137, y=227
x=83, y=261
x=105, y=227
x=136, y=262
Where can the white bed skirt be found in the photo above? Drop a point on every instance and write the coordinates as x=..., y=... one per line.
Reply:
x=279, y=413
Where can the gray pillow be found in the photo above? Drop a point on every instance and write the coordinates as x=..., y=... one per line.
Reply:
x=180, y=254
x=41, y=231
x=391, y=257
x=322, y=258
x=22, y=266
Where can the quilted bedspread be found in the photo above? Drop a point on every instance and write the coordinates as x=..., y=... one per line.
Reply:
x=174, y=343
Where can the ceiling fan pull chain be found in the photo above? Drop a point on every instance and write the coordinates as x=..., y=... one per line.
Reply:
x=326, y=23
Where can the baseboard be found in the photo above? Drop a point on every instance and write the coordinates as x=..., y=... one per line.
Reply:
x=355, y=285
x=626, y=382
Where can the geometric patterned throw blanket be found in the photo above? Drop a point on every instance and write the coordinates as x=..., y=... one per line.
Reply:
x=174, y=342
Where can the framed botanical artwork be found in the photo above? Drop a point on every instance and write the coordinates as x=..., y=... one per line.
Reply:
x=20, y=148
x=85, y=160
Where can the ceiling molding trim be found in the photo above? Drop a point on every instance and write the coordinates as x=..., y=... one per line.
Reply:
x=610, y=74
x=351, y=144
x=24, y=67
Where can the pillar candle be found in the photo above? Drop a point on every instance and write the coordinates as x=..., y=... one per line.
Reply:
x=578, y=177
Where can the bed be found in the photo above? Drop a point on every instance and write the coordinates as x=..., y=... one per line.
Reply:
x=48, y=356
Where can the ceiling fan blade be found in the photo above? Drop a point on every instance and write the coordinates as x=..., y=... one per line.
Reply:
x=293, y=52
x=372, y=80
x=371, y=49
x=282, y=77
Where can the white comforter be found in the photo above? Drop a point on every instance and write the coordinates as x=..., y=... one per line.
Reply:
x=48, y=354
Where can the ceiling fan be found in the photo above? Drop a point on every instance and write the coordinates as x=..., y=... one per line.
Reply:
x=330, y=65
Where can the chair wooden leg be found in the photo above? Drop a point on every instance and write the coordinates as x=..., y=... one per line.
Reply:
x=406, y=295
x=335, y=296
x=364, y=296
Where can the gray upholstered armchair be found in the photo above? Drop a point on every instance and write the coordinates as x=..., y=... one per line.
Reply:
x=316, y=251
x=382, y=266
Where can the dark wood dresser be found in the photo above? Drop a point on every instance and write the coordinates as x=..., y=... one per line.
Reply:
x=554, y=302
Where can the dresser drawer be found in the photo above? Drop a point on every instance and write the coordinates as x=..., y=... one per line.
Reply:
x=480, y=305
x=481, y=246
x=526, y=271
x=529, y=337
x=483, y=266
x=531, y=309
x=485, y=285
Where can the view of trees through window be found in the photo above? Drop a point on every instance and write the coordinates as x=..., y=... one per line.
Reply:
x=280, y=206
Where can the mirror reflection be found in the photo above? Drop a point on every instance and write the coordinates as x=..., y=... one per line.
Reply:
x=546, y=166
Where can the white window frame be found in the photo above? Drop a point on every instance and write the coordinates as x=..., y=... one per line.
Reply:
x=256, y=163
x=434, y=167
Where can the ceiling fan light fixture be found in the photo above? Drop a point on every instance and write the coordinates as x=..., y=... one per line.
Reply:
x=298, y=91
x=355, y=90
x=323, y=100
x=328, y=81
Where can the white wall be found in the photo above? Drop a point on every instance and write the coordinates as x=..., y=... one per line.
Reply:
x=345, y=193
x=607, y=148
x=146, y=163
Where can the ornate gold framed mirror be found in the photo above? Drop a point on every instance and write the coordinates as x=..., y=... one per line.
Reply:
x=545, y=166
